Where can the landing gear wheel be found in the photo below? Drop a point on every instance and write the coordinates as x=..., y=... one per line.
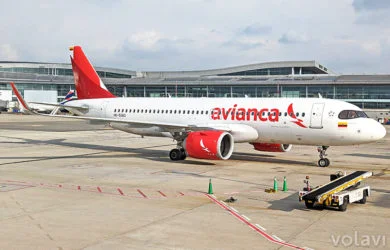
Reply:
x=364, y=199
x=175, y=154
x=309, y=205
x=327, y=162
x=323, y=163
x=343, y=207
x=183, y=154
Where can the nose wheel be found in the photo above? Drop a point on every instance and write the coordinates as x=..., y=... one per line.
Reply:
x=323, y=161
x=177, y=154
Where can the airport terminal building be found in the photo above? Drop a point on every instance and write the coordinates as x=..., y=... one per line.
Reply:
x=273, y=79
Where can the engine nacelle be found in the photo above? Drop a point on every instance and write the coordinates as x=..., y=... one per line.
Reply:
x=213, y=145
x=272, y=147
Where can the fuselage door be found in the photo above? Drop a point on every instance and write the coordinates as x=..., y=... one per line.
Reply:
x=316, y=115
x=105, y=113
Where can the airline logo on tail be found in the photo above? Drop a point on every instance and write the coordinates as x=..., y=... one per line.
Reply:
x=87, y=81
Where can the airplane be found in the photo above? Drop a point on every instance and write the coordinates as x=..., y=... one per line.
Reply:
x=42, y=107
x=208, y=128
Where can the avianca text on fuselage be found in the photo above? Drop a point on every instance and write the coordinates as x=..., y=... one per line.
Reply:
x=243, y=114
x=254, y=114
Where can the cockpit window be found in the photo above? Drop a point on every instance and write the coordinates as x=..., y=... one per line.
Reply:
x=352, y=114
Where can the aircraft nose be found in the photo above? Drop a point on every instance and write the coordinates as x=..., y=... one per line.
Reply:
x=380, y=132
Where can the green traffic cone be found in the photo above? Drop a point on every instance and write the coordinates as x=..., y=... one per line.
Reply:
x=275, y=184
x=210, y=187
x=285, y=184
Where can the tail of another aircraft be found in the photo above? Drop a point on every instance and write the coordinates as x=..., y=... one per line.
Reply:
x=23, y=104
x=68, y=97
x=87, y=81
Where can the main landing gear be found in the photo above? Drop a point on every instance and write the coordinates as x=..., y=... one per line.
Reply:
x=323, y=162
x=177, y=154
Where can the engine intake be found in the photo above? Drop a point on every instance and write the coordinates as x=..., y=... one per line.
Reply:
x=272, y=147
x=213, y=145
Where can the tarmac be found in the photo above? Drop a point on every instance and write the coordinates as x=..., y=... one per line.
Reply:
x=66, y=184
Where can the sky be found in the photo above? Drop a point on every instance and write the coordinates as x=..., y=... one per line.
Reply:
x=346, y=36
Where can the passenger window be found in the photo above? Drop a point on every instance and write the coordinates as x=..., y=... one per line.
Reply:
x=114, y=110
x=174, y=111
x=158, y=111
x=170, y=111
x=123, y=110
x=197, y=112
x=201, y=112
x=207, y=112
x=179, y=111
x=303, y=114
x=297, y=114
x=193, y=112
x=285, y=113
x=188, y=112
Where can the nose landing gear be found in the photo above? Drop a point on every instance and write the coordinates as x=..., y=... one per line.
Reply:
x=323, y=162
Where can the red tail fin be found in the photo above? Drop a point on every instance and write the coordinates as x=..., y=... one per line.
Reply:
x=87, y=81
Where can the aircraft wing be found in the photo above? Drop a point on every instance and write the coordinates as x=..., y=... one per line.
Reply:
x=61, y=105
x=171, y=127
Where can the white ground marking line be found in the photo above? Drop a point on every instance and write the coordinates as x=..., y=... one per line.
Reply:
x=224, y=203
x=262, y=228
x=307, y=248
x=245, y=217
x=235, y=210
x=277, y=238
x=242, y=219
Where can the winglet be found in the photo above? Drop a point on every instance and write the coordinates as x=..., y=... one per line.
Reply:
x=22, y=102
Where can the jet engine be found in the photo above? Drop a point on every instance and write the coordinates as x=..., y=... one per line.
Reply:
x=272, y=147
x=212, y=145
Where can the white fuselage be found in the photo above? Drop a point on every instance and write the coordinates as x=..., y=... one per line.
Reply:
x=314, y=121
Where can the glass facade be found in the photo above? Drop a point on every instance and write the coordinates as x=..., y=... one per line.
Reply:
x=155, y=91
x=278, y=71
x=58, y=71
x=364, y=96
x=371, y=93
x=176, y=91
x=262, y=72
x=219, y=91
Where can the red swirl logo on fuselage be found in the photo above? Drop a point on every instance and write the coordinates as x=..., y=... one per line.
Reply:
x=253, y=114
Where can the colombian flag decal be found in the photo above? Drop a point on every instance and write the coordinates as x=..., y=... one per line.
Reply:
x=343, y=124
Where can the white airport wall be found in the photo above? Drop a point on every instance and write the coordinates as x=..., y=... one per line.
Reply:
x=49, y=96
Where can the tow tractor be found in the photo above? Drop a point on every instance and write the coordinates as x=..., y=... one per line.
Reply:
x=339, y=192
